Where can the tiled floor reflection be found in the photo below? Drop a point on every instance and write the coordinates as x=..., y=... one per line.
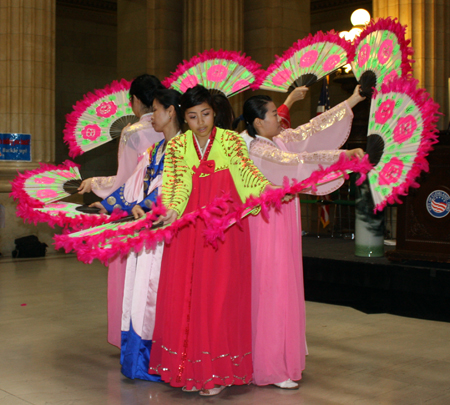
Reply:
x=53, y=350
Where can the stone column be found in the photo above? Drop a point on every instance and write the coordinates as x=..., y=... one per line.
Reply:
x=150, y=37
x=271, y=27
x=27, y=69
x=429, y=31
x=212, y=24
x=165, y=36
x=215, y=25
x=27, y=90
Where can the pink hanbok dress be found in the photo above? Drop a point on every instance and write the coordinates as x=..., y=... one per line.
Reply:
x=134, y=142
x=278, y=303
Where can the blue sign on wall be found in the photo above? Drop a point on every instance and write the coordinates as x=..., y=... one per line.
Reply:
x=15, y=147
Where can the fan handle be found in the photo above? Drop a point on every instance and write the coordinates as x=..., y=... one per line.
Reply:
x=368, y=81
x=306, y=79
x=131, y=218
x=115, y=130
x=85, y=209
x=71, y=186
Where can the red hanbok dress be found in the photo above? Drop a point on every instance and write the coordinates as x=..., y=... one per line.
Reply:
x=202, y=333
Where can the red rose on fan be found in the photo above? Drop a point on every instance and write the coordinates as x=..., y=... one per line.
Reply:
x=384, y=112
x=240, y=84
x=281, y=77
x=217, y=73
x=309, y=58
x=385, y=51
x=91, y=132
x=363, y=55
x=44, y=180
x=47, y=193
x=67, y=175
x=106, y=109
x=405, y=128
x=390, y=77
x=391, y=171
x=331, y=62
x=188, y=82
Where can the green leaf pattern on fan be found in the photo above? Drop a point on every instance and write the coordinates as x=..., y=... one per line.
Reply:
x=93, y=126
x=69, y=209
x=396, y=118
x=379, y=52
x=224, y=75
x=319, y=59
x=97, y=230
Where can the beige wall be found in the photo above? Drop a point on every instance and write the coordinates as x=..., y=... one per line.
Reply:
x=271, y=27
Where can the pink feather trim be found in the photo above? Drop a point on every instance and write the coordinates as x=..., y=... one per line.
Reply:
x=81, y=106
x=430, y=116
x=330, y=36
x=17, y=185
x=235, y=56
x=393, y=25
x=216, y=215
x=79, y=222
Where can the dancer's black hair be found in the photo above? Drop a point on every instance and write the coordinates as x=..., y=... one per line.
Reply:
x=195, y=96
x=225, y=114
x=144, y=87
x=254, y=107
x=168, y=97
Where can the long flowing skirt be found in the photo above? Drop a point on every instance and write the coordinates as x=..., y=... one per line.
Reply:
x=139, y=309
x=278, y=302
x=202, y=334
x=116, y=279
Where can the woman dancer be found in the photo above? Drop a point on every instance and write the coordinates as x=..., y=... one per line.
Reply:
x=134, y=141
x=202, y=337
x=278, y=304
x=142, y=273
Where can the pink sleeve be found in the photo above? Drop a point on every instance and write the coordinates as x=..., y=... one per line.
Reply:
x=329, y=130
x=132, y=147
x=275, y=164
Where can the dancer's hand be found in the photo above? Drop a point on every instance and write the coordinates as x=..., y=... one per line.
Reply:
x=98, y=204
x=358, y=152
x=299, y=93
x=167, y=219
x=356, y=97
x=137, y=212
x=85, y=186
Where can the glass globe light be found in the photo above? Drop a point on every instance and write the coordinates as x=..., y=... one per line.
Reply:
x=354, y=32
x=360, y=17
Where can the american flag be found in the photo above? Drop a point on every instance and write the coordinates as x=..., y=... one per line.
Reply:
x=322, y=106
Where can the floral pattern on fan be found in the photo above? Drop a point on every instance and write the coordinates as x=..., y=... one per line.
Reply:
x=382, y=54
x=98, y=118
x=401, y=133
x=305, y=62
x=46, y=184
x=229, y=72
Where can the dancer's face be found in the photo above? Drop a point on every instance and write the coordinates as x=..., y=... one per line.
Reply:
x=200, y=119
x=161, y=116
x=270, y=125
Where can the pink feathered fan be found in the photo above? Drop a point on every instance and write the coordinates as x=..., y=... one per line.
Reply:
x=306, y=61
x=228, y=72
x=98, y=118
x=382, y=54
x=402, y=130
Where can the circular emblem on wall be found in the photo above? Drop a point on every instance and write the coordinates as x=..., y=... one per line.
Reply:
x=438, y=204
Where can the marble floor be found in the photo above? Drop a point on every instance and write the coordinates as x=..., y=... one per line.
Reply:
x=53, y=350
